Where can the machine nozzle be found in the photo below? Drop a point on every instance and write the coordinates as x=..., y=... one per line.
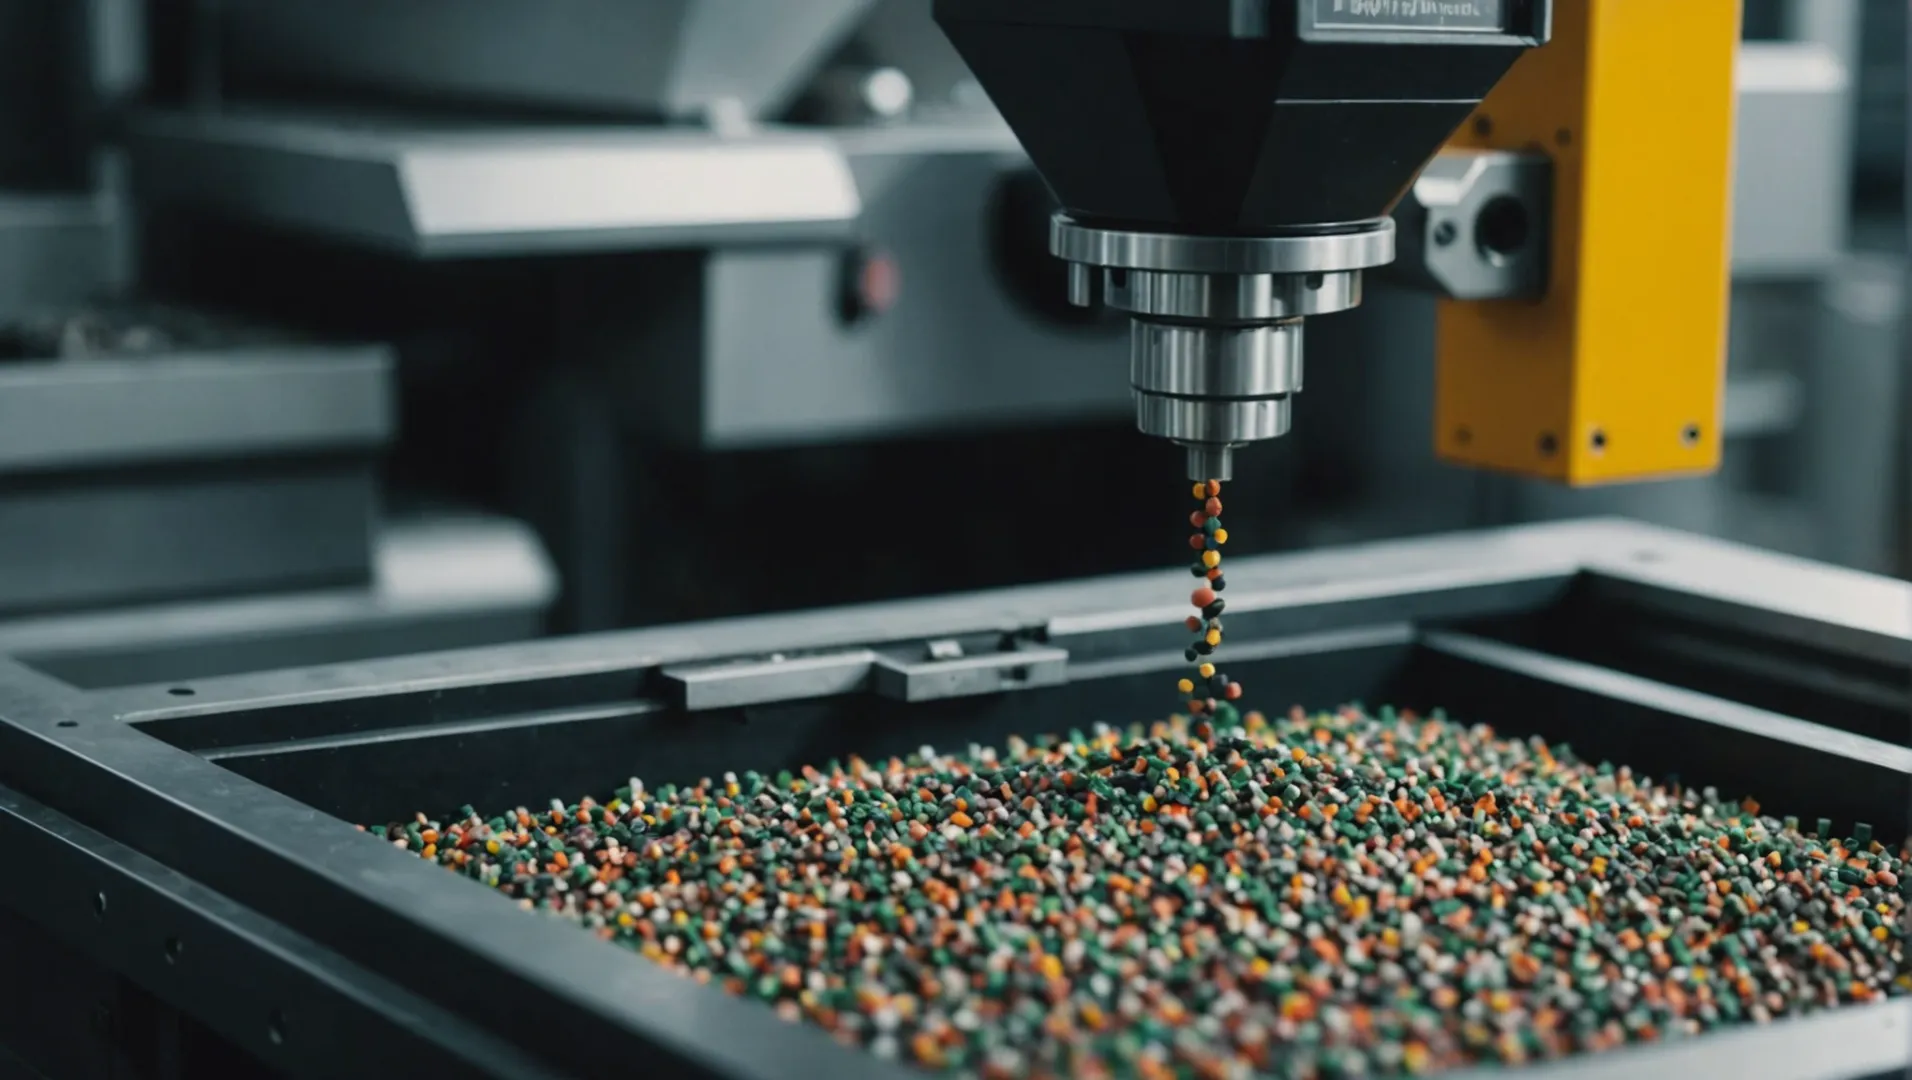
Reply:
x=1215, y=322
x=1210, y=461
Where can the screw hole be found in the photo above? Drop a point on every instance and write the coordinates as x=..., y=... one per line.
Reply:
x=1598, y=440
x=1502, y=227
x=174, y=947
x=1690, y=434
x=1314, y=281
x=181, y=691
x=99, y=905
x=1445, y=233
x=1483, y=125
x=1548, y=444
x=1118, y=278
x=275, y=1028
x=67, y=723
x=1463, y=435
x=1563, y=137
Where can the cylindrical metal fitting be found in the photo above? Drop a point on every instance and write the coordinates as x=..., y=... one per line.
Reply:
x=1222, y=421
x=1215, y=361
x=1369, y=245
x=1230, y=298
x=1207, y=461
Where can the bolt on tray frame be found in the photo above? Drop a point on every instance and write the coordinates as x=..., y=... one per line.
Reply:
x=184, y=823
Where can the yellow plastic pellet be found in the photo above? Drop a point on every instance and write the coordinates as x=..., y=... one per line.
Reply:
x=1213, y=637
x=1221, y=536
x=1201, y=491
x=1207, y=670
x=1212, y=559
x=1186, y=686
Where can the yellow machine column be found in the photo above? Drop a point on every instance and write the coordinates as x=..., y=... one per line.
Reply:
x=1616, y=371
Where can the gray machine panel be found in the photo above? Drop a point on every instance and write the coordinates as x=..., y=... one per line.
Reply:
x=439, y=581
x=95, y=413
x=744, y=347
x=54, y=250
x=670, y=58
x=180, y=533
x=128, y=478
x=432, y=189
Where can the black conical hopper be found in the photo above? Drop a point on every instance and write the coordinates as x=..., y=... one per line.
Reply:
x=1236, y=116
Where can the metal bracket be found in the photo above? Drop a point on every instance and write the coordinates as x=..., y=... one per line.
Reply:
x=1475, y=225
x=945, y=675
x=929, y=672
x=778, y=677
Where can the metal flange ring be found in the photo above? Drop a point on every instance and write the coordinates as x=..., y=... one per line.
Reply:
x=1369, y=246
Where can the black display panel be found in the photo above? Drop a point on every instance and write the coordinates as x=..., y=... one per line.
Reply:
x=1390, y=17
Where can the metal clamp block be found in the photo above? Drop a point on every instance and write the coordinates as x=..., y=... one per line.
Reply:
x=930, y=672
x=766, y=680
x=1475, y=226
x=943, y=675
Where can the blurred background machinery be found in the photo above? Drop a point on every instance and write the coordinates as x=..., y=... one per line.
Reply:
x=675, y=276
x=185, y=487
x=736, y=308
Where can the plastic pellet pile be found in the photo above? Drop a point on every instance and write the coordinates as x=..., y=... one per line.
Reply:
x=1328, y=895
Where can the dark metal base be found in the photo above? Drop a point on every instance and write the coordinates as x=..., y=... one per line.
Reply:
x=1583, y=632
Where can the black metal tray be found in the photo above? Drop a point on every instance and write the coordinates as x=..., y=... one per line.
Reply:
x=247, y=785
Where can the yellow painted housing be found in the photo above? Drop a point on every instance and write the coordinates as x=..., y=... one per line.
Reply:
x=1618, y=373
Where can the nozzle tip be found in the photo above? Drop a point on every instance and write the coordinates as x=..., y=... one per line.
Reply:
x=1210, y=461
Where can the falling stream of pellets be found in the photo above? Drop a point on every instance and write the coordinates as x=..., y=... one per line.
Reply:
x=1210, y=685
